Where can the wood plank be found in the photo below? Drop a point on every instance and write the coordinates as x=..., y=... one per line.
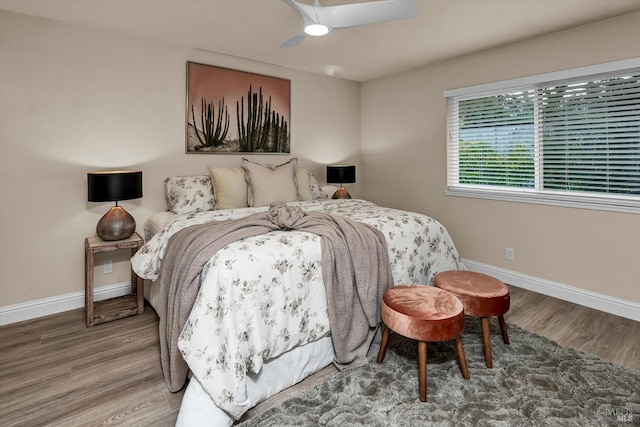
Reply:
x=115, y=308
x=56, y=371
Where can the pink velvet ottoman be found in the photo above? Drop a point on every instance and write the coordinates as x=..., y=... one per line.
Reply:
x=483, y=296
x=425, y=314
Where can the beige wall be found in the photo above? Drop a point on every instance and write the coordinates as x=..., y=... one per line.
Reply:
x=74, y=101
x=404, y=155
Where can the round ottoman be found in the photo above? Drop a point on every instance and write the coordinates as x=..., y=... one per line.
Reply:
x=425, y=314
x=483, y=296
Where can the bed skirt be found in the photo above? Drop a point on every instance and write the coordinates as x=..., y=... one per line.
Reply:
x=198, y=410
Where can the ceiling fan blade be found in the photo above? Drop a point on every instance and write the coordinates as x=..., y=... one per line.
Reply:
x=305, y=10
x=293, y=41
x=355, y=14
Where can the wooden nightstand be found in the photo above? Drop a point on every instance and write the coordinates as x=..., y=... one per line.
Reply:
x=113, y=308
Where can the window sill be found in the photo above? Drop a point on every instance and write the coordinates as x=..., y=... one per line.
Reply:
x=622, y=204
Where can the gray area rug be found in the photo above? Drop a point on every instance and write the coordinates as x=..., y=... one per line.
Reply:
x=534, y=382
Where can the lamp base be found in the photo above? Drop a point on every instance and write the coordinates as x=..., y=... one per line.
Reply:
x=117, y=224
x=341, y=193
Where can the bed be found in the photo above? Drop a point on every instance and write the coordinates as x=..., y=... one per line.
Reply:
x=273, y=281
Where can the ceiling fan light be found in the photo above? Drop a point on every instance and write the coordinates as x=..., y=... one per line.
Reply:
x=316, y=29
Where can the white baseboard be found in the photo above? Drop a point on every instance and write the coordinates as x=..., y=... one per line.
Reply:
x=617, y=306
x=631, y=310
x=47, y=306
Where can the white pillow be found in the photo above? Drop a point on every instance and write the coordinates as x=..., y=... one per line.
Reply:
x=229, y=187
x=270, y=185
x=189, y=194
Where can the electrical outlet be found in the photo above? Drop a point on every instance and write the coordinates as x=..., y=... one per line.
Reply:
x=108, y=266
x=508, y=254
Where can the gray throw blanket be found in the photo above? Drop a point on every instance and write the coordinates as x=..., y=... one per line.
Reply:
x=355, y=268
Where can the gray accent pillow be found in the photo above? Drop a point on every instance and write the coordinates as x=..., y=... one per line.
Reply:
x=267, y=185
x=304, y=187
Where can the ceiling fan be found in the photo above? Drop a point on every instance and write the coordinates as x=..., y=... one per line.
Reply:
x=318, y=20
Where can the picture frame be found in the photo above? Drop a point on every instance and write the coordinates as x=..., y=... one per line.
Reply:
x=234, y=112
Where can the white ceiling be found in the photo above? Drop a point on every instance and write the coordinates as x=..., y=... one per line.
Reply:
x=255, y=29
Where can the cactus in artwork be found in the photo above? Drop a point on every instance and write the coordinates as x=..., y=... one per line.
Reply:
x=214, y=130
x=253, y=131
x=279, y=133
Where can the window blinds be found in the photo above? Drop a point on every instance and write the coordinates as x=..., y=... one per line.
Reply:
x=575, y=137
x=591, y=135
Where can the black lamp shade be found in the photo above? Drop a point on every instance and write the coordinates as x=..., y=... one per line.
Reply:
x=341, y=174
x=111, y=186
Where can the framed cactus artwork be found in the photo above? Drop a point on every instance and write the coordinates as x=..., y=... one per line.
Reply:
x=231, y=111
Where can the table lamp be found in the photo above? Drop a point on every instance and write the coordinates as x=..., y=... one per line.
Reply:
x=113, y=186
x=341, y=174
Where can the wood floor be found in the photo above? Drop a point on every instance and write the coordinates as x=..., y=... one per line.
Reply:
x=55, y=371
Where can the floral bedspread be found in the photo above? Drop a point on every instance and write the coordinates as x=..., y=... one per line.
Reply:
x=264, y=295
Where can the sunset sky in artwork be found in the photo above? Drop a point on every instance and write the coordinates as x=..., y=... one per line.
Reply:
x=214, y=83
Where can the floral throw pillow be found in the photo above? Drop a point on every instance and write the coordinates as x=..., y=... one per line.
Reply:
x=189, y=194
x=316, y=191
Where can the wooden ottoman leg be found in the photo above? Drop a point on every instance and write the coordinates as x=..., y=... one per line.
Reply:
x=383, y=344
x=421, y=313
x=462, y=358
x=503, y=328
x=486, y=338
x=422, y=370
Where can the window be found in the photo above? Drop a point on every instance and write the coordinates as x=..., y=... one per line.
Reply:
x=567, y=138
